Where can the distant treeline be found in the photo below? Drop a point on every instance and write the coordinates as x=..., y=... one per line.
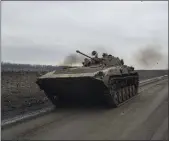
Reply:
x=27, y=67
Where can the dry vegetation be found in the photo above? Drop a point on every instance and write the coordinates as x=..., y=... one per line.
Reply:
x=20, y=94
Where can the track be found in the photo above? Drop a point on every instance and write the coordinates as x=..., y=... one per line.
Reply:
x=143, y=117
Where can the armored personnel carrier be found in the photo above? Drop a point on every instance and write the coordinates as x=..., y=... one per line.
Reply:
x=106, y=79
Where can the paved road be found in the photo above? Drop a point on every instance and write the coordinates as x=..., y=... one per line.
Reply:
x=145, y=117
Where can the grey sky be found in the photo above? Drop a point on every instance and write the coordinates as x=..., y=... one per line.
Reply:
x=46, y=32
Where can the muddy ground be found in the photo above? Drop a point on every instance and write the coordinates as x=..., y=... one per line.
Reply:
x=20, y=94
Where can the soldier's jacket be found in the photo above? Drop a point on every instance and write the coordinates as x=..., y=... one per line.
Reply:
x=86, y=62
x=109, y=60
x=96, y=60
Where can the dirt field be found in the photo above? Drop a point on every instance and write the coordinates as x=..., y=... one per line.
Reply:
x=20, y=94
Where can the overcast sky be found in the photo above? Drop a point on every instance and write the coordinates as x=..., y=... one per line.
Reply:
x=40, y=32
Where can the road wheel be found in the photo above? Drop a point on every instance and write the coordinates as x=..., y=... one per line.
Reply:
x=112, y=98
x=134, y=90
x=120, y=96
x=115, y=99
x=127, y=93
x=124, y=94
x=130, y=91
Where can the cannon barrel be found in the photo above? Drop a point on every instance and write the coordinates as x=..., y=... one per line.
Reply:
x=83, y=54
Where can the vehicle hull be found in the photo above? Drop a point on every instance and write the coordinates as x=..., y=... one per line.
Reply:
x=77, y=88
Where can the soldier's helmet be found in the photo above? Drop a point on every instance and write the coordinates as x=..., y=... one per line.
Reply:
x=122, y=61
x=104, y=55
x=110, y=57
x=94, y=53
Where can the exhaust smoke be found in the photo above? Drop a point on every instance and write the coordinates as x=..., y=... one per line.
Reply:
x=150, y=56
x=73, y=59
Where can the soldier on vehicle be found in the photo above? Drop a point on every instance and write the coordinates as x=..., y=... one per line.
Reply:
x=122, y=61
x=113, y=60
x=95, y=59
x=94, y=53
x=104, y=55
x=86, y=62
x=104, y=58
x=110, y=57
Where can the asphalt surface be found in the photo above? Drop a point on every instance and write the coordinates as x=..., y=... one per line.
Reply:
x=145, y=117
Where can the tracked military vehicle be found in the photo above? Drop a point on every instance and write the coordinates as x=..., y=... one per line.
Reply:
x=106, y=79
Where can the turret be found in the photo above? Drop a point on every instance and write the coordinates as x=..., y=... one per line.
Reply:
x=94, y=60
